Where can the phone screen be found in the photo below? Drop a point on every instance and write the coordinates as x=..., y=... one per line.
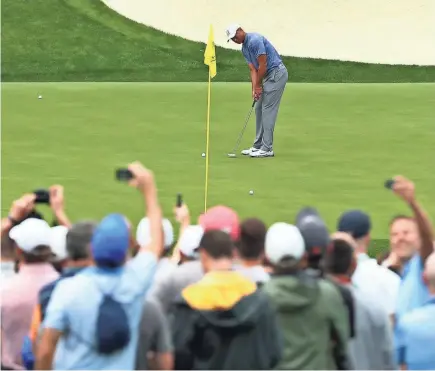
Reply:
x=123, y=175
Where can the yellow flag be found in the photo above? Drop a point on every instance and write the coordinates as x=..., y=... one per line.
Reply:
x=210, y=54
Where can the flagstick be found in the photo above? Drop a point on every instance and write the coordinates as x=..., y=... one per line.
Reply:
x=208, y=141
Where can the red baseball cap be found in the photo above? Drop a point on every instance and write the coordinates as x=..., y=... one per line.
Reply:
x=221, y=218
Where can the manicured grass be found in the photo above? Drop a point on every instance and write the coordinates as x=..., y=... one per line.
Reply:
x=83, y=40
x=335, y=145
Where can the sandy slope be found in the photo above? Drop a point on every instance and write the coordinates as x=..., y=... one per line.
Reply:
x=383, y=31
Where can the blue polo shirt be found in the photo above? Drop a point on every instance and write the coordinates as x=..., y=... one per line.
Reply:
x=413, y=292
x=416, y=338
x=256, y=45
x=73, y=310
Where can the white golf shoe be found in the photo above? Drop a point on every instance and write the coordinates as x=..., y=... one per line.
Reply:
x=262, y=153
x=247, y=152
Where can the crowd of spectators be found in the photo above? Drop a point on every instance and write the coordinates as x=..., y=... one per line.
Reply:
x=226, y=294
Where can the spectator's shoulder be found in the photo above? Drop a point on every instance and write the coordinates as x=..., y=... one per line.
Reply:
x=373, y=308
x=71, y=286
x=151, y=305
x=388, y=276
x=328, y=288
x=142, y=258
x=46, y=290
x=415, y=316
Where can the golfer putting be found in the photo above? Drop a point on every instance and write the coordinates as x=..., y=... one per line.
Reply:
x=269, y=77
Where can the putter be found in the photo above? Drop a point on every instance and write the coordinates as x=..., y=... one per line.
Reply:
x=233, y=153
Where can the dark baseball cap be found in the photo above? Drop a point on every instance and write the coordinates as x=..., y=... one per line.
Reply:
x=313, y=230
x=355, y=222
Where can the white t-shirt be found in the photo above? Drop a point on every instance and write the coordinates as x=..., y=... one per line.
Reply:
x=377, y=281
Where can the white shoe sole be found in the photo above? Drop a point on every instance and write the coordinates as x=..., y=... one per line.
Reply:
x=263, y=156
x=248, y=153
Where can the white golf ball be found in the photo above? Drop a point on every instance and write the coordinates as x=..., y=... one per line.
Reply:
x=39, y=96
x=203, y=155
x=251, y=192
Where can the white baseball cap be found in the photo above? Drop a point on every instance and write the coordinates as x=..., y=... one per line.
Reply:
x=58, y=242
x=143, y=233
x=231, y=30
x=30, y=234
x=283, y=240
x=190, y=239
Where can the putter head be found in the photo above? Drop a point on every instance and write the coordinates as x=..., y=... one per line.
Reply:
x=232, y=155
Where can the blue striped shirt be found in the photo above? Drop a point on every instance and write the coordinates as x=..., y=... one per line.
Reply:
x=256, y=45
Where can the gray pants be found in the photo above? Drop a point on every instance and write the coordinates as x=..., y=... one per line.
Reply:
x=267, y=107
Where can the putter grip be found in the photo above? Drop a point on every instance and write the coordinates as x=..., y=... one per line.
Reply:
x=253, y=103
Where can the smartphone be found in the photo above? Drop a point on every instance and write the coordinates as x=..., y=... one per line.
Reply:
x=179, y=200
x=123, y=175
x=42, y=196
x=389, y=183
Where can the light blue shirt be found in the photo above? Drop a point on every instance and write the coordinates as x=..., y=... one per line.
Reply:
x=372, y=346
x=413, y=292
x=74, y=305
x=416, y=338
x=256, y=45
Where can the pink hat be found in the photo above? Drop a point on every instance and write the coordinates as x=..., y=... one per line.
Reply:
x=221, y=218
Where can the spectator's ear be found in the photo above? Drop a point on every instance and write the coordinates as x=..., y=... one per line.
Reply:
x=425, y=279
x=367, y=239
x=134, y=246
x=303, y=264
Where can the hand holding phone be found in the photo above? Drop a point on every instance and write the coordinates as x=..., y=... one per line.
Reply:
x=389, y=183
x=181, y=211
x=179, y=200
x=42, y=196
x=123, y=175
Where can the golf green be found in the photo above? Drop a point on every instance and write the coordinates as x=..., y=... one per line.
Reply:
x=335, y=145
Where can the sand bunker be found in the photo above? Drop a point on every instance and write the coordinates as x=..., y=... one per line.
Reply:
x=374, y=31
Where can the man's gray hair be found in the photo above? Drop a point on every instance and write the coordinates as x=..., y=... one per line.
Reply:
x=78, y=239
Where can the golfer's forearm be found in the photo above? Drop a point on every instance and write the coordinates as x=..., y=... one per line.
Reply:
x=260, y=73
x=425, y=229
x=253, y=78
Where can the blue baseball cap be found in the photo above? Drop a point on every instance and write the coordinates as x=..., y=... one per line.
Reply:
x=111, y=240
x=355, y=222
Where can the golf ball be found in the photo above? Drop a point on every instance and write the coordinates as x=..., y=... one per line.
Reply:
x=39, y=96
x=251, y=192
x=203, y=155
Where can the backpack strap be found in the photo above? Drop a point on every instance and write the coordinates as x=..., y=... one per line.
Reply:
x=88, y=343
